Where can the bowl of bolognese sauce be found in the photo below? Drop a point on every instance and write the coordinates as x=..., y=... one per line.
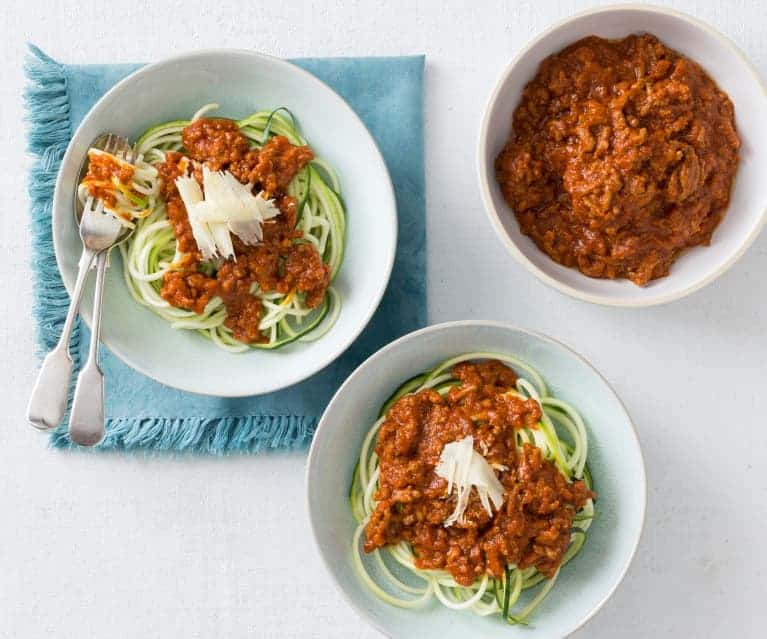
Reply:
x=620, y=156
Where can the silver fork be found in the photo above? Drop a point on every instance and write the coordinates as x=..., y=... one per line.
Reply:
x=99, y=232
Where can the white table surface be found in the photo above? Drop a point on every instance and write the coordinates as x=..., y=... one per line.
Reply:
x=125, y=546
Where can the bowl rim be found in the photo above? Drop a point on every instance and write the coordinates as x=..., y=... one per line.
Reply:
x=346, y=340
x=379, y=356
x=494, y=215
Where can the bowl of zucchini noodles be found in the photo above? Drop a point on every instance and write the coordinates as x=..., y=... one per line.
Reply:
x=473, y=476
x=264, y=216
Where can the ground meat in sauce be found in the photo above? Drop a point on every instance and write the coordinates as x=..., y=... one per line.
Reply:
x=277, y=163
x=102, y=168
x=623, y=154
x=215, y=142
x=279, y=263
x=219, y=144
x=175, y=165
x=190, y=290
x=532, y=528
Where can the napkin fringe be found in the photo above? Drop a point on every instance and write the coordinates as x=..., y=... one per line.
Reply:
x=217, y=436
x=47, y=114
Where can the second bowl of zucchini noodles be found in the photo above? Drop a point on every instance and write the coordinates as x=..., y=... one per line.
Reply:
x=473, y=478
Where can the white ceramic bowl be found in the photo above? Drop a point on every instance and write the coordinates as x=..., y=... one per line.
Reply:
x=748, y=206
x=615, y=460
x=241, y=82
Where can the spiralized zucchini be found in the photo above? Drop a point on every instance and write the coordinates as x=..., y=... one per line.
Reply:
x=151, y=250
x=390, y=572
x=137, y=199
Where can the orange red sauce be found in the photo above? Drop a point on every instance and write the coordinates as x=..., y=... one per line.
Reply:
x=623, y=155
x=102, y=169
x=532, y=527
x=278, y=263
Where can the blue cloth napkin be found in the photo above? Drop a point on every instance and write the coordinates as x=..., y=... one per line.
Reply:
x=144, y=415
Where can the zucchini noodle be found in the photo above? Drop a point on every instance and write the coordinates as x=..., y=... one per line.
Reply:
x=135, y=200
x=390, y=572
x=152, y=249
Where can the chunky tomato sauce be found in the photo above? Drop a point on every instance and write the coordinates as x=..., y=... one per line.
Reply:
x=102, y=169
x=623, y=155
x=278, y=263
x=532, y=528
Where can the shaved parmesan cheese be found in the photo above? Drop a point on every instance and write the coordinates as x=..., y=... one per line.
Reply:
x=228, y=206
x=464, y=468
x=191, y=194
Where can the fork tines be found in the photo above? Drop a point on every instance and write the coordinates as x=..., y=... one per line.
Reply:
x=119, y=146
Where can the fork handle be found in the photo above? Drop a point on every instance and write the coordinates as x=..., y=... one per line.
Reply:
x=86, y=421
x=48, y=402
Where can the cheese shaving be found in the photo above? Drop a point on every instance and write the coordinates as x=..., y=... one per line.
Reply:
x=464, y=468
x=227, y=206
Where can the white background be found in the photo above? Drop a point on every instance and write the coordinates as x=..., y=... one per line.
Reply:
x=116, y=546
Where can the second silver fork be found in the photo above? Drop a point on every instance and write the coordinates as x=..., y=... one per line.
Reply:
x=86, y=421
x=99, y=232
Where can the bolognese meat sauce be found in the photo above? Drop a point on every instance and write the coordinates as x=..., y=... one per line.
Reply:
x=532, y=527
x=623, y=154
x=278, y=263
x=102, y=169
